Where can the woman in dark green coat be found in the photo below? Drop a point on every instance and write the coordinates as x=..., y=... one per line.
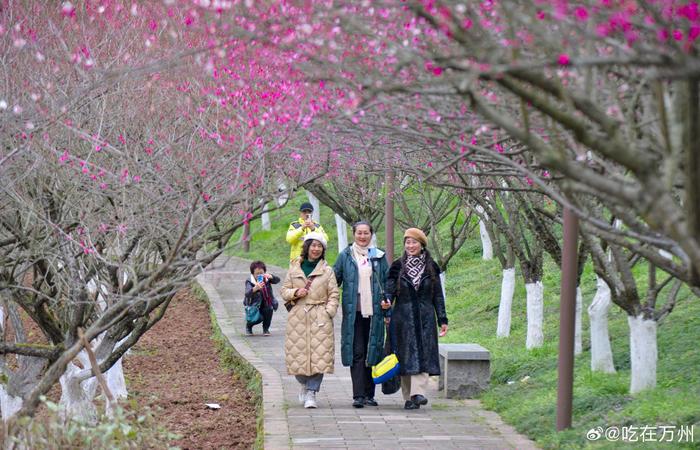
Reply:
x=361, y=271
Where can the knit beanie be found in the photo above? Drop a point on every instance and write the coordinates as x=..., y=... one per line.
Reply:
x=317, y=237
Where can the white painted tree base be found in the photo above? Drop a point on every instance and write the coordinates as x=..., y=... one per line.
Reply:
x=116, y=383
x=9, y=404
x=643, y=353
x=342, y=229
x=578, y=344
x=601, y=352
x=283, y=197
x=76, y=396
x=506, y=304
x=486, y=245
x=535, y=315
x=78, y=393
x=265, y=219
x=443, y=279
x=665, y=254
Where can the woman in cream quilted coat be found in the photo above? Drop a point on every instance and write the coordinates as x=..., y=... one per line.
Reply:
x=311, y=288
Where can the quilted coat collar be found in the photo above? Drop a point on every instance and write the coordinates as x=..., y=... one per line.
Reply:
x=297, y=272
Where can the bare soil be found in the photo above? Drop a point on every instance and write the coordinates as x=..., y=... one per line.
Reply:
x=174, y=369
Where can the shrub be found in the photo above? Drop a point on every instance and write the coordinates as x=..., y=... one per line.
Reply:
x=125, y=429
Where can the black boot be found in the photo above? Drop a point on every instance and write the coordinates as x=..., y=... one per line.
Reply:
x=371, y=402
x=410, y=405
x=358, y=402
x=419, y=399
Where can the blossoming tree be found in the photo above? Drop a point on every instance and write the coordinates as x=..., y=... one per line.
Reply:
x=136, y=139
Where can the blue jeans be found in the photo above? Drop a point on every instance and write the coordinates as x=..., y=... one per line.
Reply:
x=312, y=383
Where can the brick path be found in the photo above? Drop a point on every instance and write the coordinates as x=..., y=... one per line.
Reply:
x=442, y=424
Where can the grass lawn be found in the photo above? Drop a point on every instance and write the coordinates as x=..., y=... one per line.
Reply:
x=523, y=383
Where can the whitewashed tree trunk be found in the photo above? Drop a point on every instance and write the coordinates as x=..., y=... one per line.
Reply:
x=9, y=404
x=486, y=245
x=115, y=380
x=643, y=353
x=79, y=388
x=506, y=304
x=578, y=344
x=601, y=353
x=443, y=278
x=265, y=218
x=665, y=254
x=76, y=397
x=282, y=199
x=535, y=315
x=342, y=228
x=317, y=207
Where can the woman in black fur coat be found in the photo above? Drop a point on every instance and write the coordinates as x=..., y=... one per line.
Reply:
x=418, y=308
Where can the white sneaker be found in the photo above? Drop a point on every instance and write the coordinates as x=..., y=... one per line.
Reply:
x=302, y=394
x=310, y=400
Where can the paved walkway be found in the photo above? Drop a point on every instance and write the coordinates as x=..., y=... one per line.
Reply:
x=442, y=424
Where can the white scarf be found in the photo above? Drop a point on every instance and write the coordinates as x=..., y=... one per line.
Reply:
x=364, y=276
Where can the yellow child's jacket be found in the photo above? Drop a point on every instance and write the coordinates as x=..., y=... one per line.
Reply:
x=296, y=233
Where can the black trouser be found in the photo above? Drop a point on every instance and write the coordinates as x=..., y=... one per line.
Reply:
x=266, y=313
x=362, y=384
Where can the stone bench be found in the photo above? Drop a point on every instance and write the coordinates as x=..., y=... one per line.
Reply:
x=465, y=370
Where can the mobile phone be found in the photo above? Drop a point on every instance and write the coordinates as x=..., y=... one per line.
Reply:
x=260, y=278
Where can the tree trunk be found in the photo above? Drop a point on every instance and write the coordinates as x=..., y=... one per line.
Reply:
x=504, y=307
x=486, y=245
x=485, y=242
x=342, y=228
x=76, y=397
x=115, y=380
x=665, y=254
x=282, y=199
x=246, y=237
x=317, y=207
x=643, y=353
x=443, y=278
x=691, y=164
x=265, y=219
x=601, y=353
x=578, y=345
x=9, y=404
x=535, y=314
